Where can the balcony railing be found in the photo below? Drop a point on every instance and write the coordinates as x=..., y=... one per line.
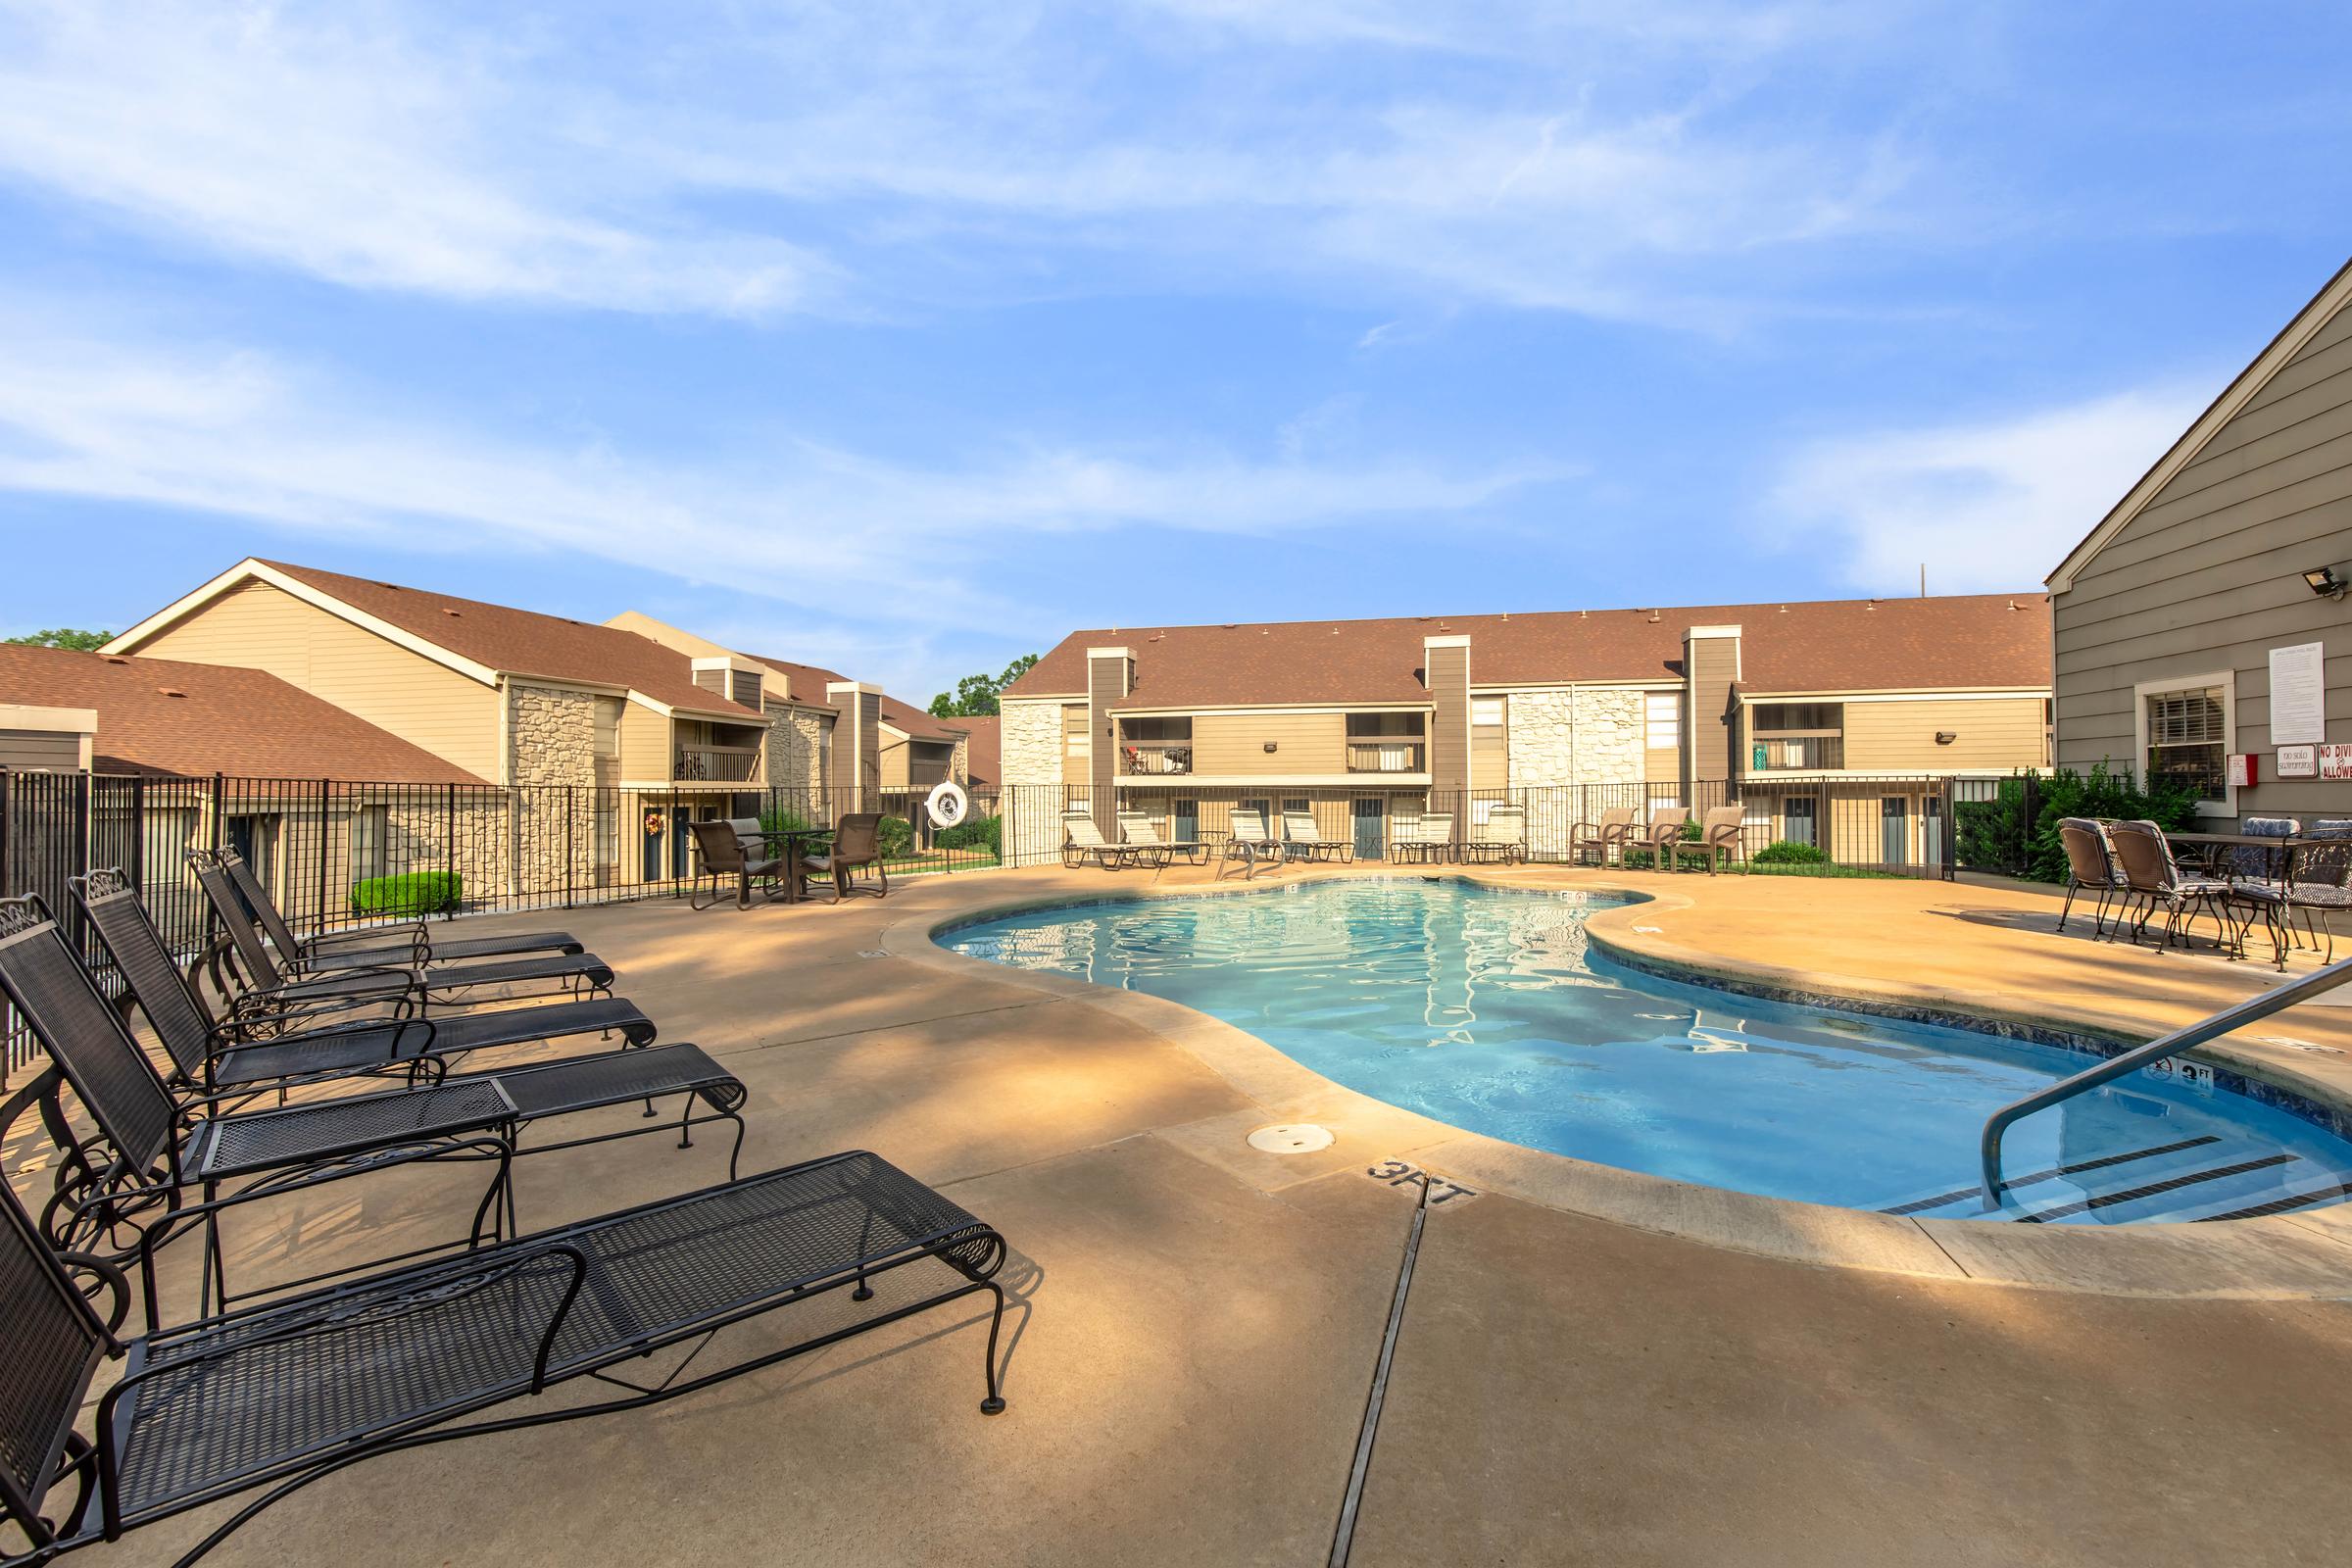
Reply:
x=1794, y=752
x=717, y=764
x=1155, y=756
x=1385, y=756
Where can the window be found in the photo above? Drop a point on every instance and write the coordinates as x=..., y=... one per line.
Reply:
x=2188, y=737
x=370, y=827
x=1665, y=726
x=607, y=726
x=1075, y=739
x=1799, y=718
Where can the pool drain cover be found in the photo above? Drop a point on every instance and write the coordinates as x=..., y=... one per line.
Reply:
x=1291, y=1138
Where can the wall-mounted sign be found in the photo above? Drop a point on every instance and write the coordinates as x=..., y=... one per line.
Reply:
x=2241, y=774
x=2299, y=762
x=2336, y=761
x=2299, y=694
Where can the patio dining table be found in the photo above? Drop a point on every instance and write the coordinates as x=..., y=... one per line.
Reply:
x=2211, y=848
x=790, y=840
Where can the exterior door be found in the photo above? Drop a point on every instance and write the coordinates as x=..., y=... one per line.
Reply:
x=1185, y=819
x=1370, y=821
x=1931, y=831
x=1894, y=831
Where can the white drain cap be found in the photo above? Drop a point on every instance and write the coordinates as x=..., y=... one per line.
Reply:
x=1291, y=1138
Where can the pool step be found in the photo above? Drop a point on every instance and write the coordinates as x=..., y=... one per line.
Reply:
x=2192, y=1179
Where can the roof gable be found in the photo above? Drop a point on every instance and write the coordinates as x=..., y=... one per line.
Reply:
x=2281, y=349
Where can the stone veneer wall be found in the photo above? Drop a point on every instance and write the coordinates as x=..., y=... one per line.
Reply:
x=795, y=739
x=550, y=739
x=1030, y=734
x=1561, y=740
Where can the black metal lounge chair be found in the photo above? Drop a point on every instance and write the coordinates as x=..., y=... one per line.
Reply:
x=408, y=945
x=154, y=1146
x=257, y=983
x=286, y=1394
x=213, y=1057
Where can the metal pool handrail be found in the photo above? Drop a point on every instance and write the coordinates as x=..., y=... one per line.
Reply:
x=2180, y=1040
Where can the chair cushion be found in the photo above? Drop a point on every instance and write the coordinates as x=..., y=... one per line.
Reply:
x=2321, y=896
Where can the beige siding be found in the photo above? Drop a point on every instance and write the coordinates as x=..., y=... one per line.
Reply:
x=1077, y=754
x=1449, y=681
x=1231, y=744
x=1491, y=747
x=645, y=745
x=42, y=749
x=895, y=755
x=257, y=626
x=1706, y=732
x=1899, y=737
x=2206, y=578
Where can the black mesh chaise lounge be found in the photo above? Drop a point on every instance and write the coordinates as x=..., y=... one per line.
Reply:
x=407, y=944
x=155, y=1145
x=286, y=1394
x=213, y=1057
x=246, y=970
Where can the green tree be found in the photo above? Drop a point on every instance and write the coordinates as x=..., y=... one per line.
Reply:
x=975, y=696
x=88, y=642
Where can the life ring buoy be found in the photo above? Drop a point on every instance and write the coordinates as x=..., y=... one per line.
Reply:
x=947, y=804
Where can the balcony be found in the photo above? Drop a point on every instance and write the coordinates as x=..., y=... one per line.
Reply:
x=1155, y=757
x=717, y=764
x=1385, y=754
x=1788, y=754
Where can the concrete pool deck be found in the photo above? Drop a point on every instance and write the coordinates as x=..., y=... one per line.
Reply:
x=1199, y=1322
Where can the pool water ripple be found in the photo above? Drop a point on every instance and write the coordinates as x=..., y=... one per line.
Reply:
x=1483, y=1009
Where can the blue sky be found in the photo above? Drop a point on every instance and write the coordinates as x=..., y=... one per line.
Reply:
x=904, y=338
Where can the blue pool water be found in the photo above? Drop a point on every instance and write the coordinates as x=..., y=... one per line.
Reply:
x=1482, y=1008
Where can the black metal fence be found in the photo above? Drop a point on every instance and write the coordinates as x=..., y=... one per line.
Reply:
x=1891, y=826
x=336, y=852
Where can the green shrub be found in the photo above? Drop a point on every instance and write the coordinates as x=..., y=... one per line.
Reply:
x=2016, y=830
x=1637, y=859
x=1692, y=831
x=1788, y=852
x=895, y=835
x=783, y=819
x=411, y=893
x=975, y=833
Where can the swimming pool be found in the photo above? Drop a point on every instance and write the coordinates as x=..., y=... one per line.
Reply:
x=1483, y=1009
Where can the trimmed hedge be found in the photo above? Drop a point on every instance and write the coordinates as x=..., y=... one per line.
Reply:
x=1788, y=852
x=411, y=893
x=975, y=833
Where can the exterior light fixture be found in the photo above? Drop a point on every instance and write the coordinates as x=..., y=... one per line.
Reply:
x=1270, y=745
x=1945, y=737
x=2323, y=581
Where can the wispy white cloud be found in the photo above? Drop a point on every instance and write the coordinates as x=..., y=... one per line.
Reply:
x=344, y=149
x=1985, y=506
x=249, y=436
x=814, y=155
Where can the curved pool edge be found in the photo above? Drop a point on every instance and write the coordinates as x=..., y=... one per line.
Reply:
x=2307, y=1257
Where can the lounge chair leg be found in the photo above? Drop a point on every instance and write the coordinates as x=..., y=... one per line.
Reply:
x=994, y=1404
x=685, y=1124
x=2067, y=907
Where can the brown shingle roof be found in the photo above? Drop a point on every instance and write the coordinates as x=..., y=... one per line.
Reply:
x=1978, y=641
x=808, y=683
x=161, y=716
x=525, y=642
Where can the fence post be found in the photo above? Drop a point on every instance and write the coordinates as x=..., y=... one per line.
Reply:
x=323, y=792
x=1951, y=830
x=138, y=833
x=449, y=845
x=8, y=825
x=220, y=804
x=571, y=841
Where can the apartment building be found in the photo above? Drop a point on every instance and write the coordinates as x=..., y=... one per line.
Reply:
x=1823, y=718
x=2201, y=628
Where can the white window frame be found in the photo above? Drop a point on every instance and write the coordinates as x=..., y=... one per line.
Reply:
x=1650, y=708
x=2226, y=681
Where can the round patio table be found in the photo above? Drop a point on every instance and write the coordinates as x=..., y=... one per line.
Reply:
x=791, y=839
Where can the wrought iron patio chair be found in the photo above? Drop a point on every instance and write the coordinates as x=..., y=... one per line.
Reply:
x=2321, y=885
x=856, y=847
x=214, y=1056
x=246, y=971
x=721, y=856
x=286, y=1394
x=1614, y=830
x=1719, y=839
x=1141, y=834
x=153, y=1146
x=1083, y=841
x=1302, y=839
x=407, y=944
x=1247, y=841
x=2158, y=883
